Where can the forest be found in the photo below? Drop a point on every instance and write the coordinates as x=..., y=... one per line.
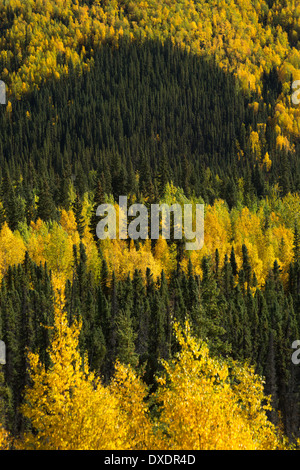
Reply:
x=164, y=103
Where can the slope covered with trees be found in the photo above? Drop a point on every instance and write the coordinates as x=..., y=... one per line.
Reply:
x=165, y=102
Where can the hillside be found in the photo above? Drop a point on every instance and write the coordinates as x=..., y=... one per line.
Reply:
x=165, y=102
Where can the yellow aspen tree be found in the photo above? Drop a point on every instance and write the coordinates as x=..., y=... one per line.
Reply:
x=4, y=439
x=201, y=409
x=68, y=406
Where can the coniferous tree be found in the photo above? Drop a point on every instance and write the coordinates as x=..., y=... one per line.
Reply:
x=12, y=204
x=143, y=333
x=212, y=331
x=264, y=332
x=246, y=271
x=94, y=341
x=111, y=334
x=227, y=283
x=147, y=187
x=237, y=333
x=30, y=207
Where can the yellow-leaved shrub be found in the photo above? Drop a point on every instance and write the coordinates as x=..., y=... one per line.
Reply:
x=69, y=407
x=208, y=405
x=202, y=402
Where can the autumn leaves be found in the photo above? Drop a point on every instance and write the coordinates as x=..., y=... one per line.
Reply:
x=201, y=402
x=267, y=233
x=43, y=39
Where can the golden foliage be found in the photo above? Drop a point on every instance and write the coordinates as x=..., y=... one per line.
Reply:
x=12, y=248
x=124, y=259
x=204, y=403
x=207, y=405
x=224, y=228
x=131, y=392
